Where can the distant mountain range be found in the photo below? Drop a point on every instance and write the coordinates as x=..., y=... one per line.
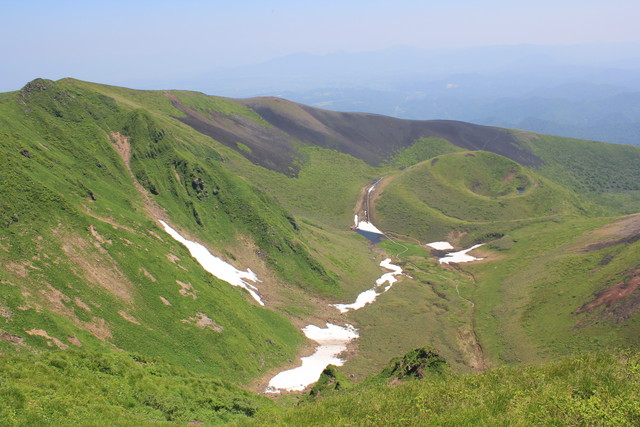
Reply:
x=583, y=91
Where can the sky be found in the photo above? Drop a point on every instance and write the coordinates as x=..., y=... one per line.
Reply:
x=120, y=41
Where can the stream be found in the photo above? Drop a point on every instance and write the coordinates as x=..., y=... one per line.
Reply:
x=332, y=339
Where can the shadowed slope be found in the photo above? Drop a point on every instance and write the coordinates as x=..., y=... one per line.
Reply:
x=369, y=137
x=374, y=138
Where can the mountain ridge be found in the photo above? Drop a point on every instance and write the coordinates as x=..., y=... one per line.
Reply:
x=89, y=169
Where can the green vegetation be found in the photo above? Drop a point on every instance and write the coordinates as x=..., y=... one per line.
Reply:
x=325, y=189
x=600, y=389
x=84, y=259
x=416, y=364
x=85, y=268
x=579, y=165
x=477, y=192
x=242, y=147
x=90, y=388
x=527, y=300
x=422, y=149
x=330, y=380
x=427, y=304
x=210, y=105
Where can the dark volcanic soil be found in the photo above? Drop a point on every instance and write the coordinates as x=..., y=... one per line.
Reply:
x=372, y=138
x=270, y=148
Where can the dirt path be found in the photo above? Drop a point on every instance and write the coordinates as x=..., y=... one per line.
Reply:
x=362, y=208
x=123, y=147
x=469, y=341
x=366, y=204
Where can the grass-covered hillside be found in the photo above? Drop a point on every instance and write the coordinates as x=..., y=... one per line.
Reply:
x=85, y=178
x=92, y=389
x=473, y=192
x=598, y=389
x=88, y=271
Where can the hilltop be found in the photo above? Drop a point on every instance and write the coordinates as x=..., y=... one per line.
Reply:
x=97, y=182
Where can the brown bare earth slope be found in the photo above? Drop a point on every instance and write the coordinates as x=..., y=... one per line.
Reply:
x=370, y=137
x=620, y=301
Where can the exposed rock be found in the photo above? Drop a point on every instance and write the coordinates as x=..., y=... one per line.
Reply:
x=331, y=379
x=172, y=258
x=203, y=321
x=618, y=302
x=98, y=236
x=197, y=184
x=82, y=305
x=148, y=275
x=51, y=340
x=128, y=317
x=36, y=85
x=262, y=254
x=293, y=223
x=10, y=338
x=75, y=341
x=187, y=290
x=5, y=312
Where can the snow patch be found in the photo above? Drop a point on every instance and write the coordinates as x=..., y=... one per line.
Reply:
x=370, y=295
x=440, y=246
x=333, y=340
x=367, y=226
x=389, y=277
x=216, y=266
x=460, y=256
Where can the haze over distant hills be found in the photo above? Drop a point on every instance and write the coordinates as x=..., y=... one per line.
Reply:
x=589, y=91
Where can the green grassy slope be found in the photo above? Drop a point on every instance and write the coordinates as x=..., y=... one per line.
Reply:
x=477, y=192
x=598, y=389
x=92, y=389
x=606, y=173
x=529, y=299
x=84, y=263
x=89, y=169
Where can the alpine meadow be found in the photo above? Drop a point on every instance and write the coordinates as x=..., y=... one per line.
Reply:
x=170, y=257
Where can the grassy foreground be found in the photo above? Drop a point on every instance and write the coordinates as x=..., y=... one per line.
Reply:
x=124, y=389
x=597, y=389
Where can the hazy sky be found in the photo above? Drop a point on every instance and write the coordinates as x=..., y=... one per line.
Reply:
x=123, y=40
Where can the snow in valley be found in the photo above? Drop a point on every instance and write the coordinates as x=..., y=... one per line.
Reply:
x=370, y=295
x=216, y=266
x=460, y=256
x=366, y=226
x=333, y=340
x=440, y=246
